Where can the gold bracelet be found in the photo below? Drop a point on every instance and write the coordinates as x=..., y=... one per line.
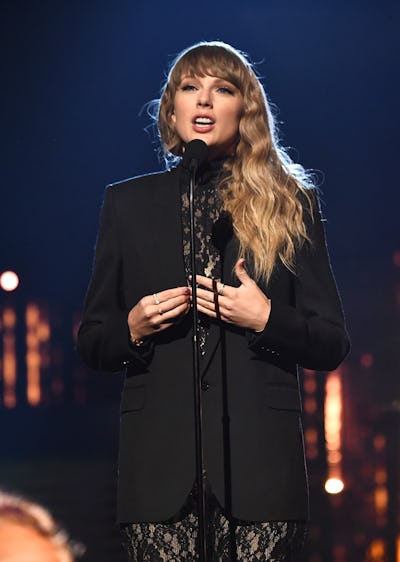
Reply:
x=136, y=341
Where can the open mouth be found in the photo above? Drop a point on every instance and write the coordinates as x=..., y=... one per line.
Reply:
x=203, y=121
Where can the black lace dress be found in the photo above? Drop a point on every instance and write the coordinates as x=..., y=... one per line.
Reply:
x=228, y=539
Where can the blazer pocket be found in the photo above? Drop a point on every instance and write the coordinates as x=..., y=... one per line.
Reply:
x=283, y=398
x=133, y=399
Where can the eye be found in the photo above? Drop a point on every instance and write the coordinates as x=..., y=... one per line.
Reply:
x=188, y=87
x=226, y=90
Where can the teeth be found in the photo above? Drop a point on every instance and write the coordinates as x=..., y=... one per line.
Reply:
x=203, y=121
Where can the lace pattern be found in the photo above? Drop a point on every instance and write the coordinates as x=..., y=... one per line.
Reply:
x=207, y=204
x=228, y=540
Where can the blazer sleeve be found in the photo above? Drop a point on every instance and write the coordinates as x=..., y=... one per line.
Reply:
x=312, y=333
x=103, y=336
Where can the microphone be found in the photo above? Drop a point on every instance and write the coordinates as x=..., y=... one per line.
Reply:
x=195, y=154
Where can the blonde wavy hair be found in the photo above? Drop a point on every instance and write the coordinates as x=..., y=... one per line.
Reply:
x=260, y=184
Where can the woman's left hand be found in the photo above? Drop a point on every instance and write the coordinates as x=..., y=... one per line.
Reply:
x=245, y=306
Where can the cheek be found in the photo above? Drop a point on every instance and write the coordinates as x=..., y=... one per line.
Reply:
x=234, y=117
x=235, y=122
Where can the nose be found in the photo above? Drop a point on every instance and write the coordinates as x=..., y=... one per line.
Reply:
x=204, y=98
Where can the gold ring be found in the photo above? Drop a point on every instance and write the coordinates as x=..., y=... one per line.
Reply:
x=155, y=297
x=221, y=289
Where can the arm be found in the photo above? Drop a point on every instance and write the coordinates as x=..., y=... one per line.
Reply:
x=313, y=332
x=103, y=336
x=109, y=326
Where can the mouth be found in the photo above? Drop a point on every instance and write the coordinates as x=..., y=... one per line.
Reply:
x=203, y=121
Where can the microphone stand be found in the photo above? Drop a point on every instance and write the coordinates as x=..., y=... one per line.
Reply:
x=200, y=470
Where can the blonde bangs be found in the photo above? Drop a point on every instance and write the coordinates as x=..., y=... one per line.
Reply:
x=209, y=62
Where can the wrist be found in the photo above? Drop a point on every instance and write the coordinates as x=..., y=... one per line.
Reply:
x=135, y=338
x=135, y=341
x=263, y=321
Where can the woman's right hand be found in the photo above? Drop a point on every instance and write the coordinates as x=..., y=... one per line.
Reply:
x=157, y=312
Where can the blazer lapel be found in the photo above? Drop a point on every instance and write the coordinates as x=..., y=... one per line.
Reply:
x=166, y=231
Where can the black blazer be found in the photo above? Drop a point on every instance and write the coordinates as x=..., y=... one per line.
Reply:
x=255, y=458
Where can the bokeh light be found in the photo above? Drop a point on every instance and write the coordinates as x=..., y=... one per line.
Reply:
x=9, y=281
x=334, y=486
x=367, y=360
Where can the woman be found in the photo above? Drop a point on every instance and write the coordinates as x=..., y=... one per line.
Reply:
x=274, y=306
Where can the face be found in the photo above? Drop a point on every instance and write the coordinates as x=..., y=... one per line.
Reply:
x=20, y=543
x=208, y=108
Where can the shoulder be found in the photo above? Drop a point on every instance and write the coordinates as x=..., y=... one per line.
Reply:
x=310, y=202
x=309, y=198
x=134, y=198
x=142, y=184
x=314, y=228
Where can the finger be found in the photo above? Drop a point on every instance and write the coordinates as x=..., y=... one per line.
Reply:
x=205, y=295
x=162, y=316
x=162, y=321
x=155, y=314
x=212, y=313
x=171, y=293
x=161, y=327
x=170, y=304
x=206, y=282
x=210, y=301
x=207, y=304
x=241, y=272
x=212, y=285
x=207, y=311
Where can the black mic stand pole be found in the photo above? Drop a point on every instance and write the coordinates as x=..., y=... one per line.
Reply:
x=200, y=471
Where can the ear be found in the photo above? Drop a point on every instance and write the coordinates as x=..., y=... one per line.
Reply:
x=173, y=118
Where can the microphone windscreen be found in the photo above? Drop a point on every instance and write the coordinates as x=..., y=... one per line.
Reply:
x=196, y=152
